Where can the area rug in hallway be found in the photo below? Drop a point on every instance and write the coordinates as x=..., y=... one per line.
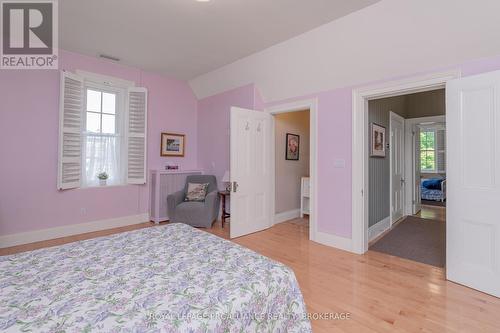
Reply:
x=417, y=239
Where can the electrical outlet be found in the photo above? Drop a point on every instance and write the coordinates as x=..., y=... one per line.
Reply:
x=339, y=163
x=83, y=211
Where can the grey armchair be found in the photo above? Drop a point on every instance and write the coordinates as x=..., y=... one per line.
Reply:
x=196, y=214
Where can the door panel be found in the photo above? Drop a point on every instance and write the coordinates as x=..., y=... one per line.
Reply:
x=397, y=166
x=250, y=171
x=417, y=196
x=473, y=226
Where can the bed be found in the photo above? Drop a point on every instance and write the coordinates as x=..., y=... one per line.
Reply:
x=171, y=278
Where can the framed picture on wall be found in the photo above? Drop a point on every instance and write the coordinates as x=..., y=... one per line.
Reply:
x=292, y=147
x=378, y=140
x=172, y=144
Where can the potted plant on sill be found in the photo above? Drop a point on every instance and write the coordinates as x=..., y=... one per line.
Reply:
x=103, y=177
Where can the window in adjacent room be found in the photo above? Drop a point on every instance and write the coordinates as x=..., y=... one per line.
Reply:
x=102, y=134
x=428, y=150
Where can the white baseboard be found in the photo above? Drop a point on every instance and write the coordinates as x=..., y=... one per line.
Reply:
x=378, y=228
x=335, y=241
x=69, y=230
x=286, y=216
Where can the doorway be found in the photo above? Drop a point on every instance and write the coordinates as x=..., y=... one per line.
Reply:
x=253, y=169
x=472, y=135
x=306, y=188
x=395, y=226
x=360, y=175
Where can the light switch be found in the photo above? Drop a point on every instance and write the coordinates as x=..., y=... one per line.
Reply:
x=339, y=163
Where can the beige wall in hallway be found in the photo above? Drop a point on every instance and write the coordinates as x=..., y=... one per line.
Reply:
x=289, y=173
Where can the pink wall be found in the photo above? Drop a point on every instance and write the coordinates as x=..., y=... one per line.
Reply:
x=213, y=128
x=334, y=141
x=29, y=116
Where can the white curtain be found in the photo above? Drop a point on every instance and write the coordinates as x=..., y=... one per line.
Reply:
x=102, y=154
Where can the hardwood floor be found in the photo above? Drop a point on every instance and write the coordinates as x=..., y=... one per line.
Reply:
x=382, y=293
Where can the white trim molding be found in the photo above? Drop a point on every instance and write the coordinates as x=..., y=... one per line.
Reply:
x=360, y=98
x=301, y=105
x=286, y=216
x=104, y=79
x=341, y=243
x=379, y=228
x=70, y=230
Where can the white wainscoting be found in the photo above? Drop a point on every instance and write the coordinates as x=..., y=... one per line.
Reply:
x=286, y=216
x=378, y=228
x=69, y=230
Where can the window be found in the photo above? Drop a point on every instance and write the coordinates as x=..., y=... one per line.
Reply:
x=102, y=128
x=102, y=136
x=101, y=112
x=428, y=151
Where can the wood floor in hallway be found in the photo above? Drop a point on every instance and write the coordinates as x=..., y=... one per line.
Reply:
x=382, y=293
x=432, y=212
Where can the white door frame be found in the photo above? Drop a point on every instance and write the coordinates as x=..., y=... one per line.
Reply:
x=312, y=106
x=391, y=116
x=410, y=153
x=360, y=98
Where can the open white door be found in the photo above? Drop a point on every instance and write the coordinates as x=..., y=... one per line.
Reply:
x=250, y=171
x=473, y=176
x=417, y=199
x=397, y=129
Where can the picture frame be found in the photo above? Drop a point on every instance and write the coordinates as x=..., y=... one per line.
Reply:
x=292, y=147
x=378, y=140
x=172, y=144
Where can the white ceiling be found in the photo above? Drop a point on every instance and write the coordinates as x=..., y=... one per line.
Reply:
x=186, y=38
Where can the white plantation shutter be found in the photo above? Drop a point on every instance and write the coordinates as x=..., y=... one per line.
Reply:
x=137, y=135
x=70, y=122
x=441, y=150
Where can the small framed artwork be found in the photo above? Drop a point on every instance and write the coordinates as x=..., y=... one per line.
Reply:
x=172, y=144
x=292, y=147
x=378, y=140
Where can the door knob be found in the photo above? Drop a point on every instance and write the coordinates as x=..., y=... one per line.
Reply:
x=235, y=186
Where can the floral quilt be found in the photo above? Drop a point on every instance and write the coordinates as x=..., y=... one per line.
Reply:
x=171, y=278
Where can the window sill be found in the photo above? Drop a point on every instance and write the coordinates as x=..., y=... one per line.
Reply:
x=104, y=186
